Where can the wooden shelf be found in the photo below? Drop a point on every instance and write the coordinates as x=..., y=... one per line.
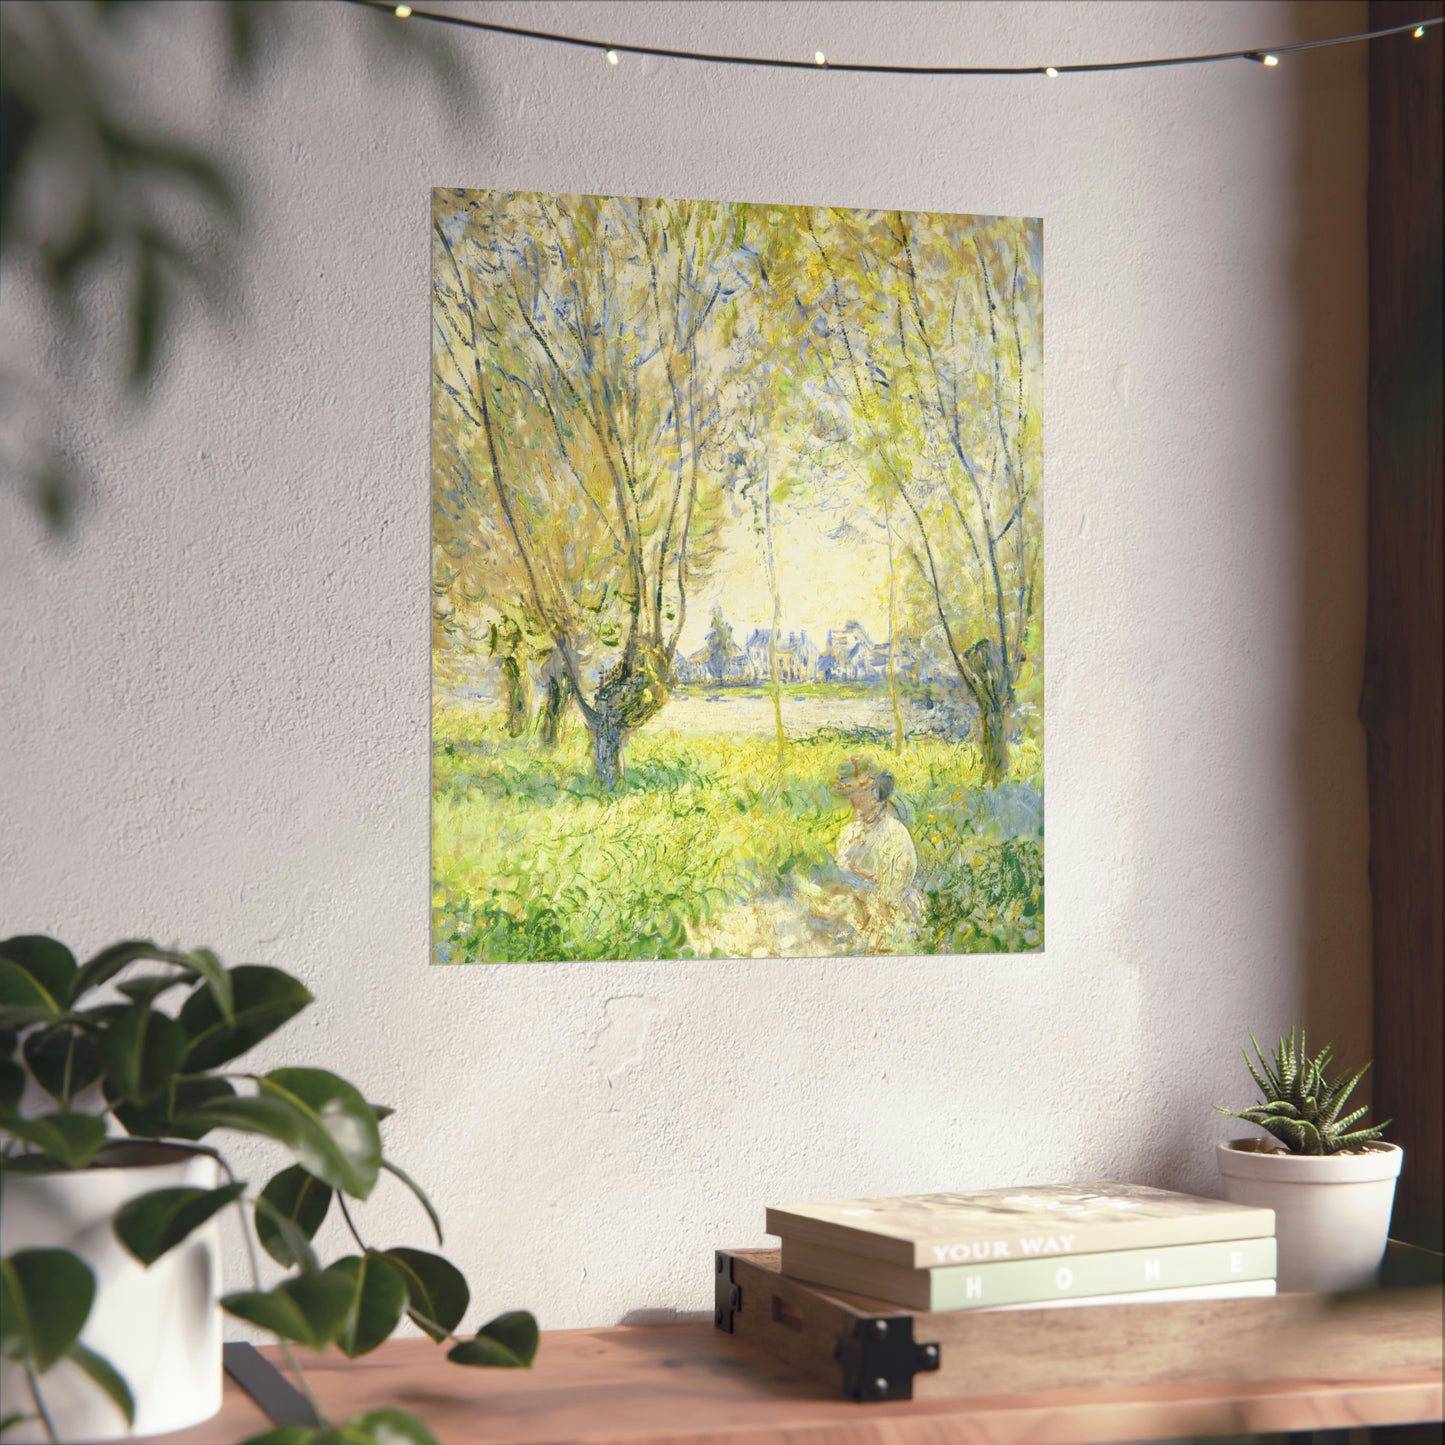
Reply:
x=695, y=1384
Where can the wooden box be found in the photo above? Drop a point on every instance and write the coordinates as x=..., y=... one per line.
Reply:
x=871, y=1350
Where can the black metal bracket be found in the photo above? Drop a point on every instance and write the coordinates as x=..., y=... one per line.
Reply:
x=280, y=1401
x=727, y=1296
x=880, y=1358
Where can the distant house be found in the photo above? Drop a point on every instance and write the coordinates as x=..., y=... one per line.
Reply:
x=850, y=656
x=797, y=657
x=697, y=667
x=842, y=640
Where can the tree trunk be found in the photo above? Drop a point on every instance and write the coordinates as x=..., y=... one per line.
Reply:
x=981, y=675
x=608, y=738
x=553, y=716
x=777, y=622
x=517, y=693
x=892, y=633
x=993, y=727
x=634, y=691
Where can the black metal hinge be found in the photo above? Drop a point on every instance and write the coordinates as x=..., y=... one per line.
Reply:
x=727, y=1296
x=880, y=1358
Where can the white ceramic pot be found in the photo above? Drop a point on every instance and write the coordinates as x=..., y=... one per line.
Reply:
x=1331, y=1211
x=160, y=1327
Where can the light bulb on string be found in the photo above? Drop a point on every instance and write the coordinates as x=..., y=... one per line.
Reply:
x=1419, y=30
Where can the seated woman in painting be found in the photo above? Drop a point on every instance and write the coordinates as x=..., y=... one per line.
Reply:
x=873, y=889
x=866, y=900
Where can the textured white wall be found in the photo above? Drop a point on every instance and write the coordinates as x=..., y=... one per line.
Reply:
x=215, y=702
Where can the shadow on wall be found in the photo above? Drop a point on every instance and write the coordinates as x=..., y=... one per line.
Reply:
x=1324, y=749
x=89, y=188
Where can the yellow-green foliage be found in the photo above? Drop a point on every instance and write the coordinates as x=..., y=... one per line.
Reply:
x=532, y=860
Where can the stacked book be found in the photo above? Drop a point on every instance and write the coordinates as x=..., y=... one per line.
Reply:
x=1026, y=1248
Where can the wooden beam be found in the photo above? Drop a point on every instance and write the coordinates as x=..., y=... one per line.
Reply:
x=1400, y=703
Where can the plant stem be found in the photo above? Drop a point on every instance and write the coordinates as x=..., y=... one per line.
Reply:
x=346, y=1215
x=69, y=1073
x=254, y=1259
x=39, y=1403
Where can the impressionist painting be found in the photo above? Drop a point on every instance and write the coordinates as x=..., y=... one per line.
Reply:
x=737, y=580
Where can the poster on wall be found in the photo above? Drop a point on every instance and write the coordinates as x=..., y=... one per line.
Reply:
x=737, y=580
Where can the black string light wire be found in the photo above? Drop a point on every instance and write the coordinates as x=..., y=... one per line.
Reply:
x=613, y=50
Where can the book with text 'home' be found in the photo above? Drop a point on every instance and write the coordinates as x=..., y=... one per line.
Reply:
x=1034, y=1281
x=925, y=1231
x=1245, y=1289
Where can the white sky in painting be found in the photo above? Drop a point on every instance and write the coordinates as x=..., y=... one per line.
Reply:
x=824, y=581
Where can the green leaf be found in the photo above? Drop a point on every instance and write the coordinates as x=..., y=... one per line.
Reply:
x=310, y=1309
x=148, y=989
x=23, y=999
x=303, y=1257
x=72, y=1139
x=50, y=964
x=378, y=1296
x=152, y=1224
x=342, y=1135
x=209, y=967
x=106, y=1376
x=1361, y=1136
x=437, y=1294
x=45, y=1299
x=279, y=1116
x=142, y=1052
x=12, y=1086
x=298, y=1197
x=109, y=962
x=164, y=1117
x=416, y=1189
x=64, y=1060
x=264, y=999
x=392, y=1427
x=507, y=1342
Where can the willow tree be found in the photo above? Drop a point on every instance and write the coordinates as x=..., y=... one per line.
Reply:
x=927, y=333
x=573, y=340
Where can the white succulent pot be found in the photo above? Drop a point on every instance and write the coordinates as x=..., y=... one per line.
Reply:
x=160, y=1327
x=1331, y=1211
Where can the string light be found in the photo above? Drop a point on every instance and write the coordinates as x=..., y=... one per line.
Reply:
x=1260, y=57
x=612, y=57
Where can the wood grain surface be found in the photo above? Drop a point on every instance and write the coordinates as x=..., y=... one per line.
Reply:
x=1106, y=1346
x=695, y=1384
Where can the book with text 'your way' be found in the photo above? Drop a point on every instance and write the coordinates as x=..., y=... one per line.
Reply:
x=1035, y=1281
x=927, y=1231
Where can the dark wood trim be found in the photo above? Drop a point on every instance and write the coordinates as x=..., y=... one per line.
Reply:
x=1400, y=702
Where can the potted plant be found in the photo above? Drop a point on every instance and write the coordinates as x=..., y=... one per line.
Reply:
x=109, y=1241
x=1331, y=1186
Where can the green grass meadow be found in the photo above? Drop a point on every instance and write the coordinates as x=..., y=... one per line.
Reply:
x=531, y=860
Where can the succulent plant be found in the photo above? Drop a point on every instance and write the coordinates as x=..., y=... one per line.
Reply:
x=1301, y=1108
